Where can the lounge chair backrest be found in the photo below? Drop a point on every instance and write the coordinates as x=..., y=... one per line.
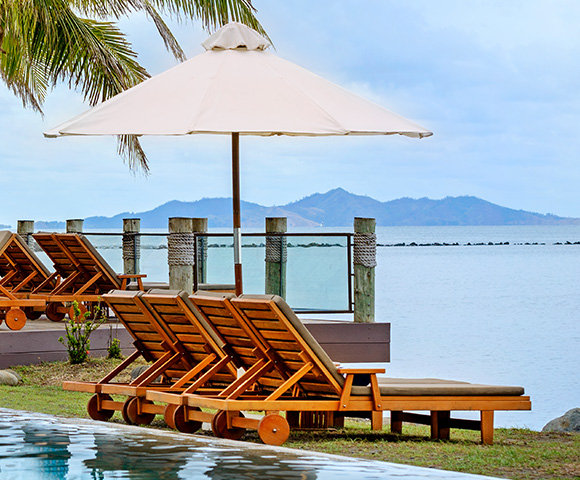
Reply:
x=281, y=330
x=189, y=331
x=217, y=310
x=73, y=253
x=19, y=261
x=149, y=338
x=99, y=260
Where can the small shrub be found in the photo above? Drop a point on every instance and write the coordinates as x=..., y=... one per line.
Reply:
x=114, y=349
x=78, y=331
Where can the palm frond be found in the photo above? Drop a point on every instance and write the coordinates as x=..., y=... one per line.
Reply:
x=170, y=41
x=213, y=13
x=105, y=9
x=129, y=148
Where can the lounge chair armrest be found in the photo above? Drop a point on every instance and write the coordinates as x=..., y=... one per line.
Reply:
x=128, y=276
x=348, y=371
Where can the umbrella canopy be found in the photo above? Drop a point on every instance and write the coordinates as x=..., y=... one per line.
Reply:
x=238, y=88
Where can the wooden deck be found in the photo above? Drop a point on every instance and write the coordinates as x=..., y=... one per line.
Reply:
x=38, y=341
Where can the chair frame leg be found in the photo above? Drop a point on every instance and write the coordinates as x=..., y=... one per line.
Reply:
x=487, y=427
x=440, y=424
x=396, y=422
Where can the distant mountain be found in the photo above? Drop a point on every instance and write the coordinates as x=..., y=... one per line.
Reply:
x=218, y=211
x=5, y=227
x=49, y=226
x=336, y=208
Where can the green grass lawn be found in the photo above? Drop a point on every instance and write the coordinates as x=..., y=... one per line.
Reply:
x=516, y=453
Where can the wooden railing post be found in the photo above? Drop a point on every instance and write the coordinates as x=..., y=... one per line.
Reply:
x=25, y=228
x=276, y=256
x=131, y=245
x=180, y=254
x=74, y=225
x=199, y=225
x=364, y=260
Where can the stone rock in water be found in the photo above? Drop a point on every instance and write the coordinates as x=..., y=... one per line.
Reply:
x=569, y=422
x=6, y=378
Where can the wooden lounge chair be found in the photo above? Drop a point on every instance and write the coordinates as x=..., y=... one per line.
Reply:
x=21, y=273
x=180, y=350
x=239, y=343
x=83, y=274
x=311, y=382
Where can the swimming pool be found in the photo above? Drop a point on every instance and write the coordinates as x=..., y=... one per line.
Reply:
x=35, y=446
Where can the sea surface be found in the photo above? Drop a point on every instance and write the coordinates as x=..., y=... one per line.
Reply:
x=500, y=307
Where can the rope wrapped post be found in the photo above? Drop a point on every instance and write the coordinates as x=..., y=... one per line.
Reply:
x=131, y=246
x=25, y=228
x=75, y=225
x=180, y=251
x=365, y=261
x=199, y=226
x=276, y=256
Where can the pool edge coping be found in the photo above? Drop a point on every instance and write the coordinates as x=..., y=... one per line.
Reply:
x=193, y=438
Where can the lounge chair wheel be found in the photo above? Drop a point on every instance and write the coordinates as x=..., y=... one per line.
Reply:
x=273, y=429
x=219, y=426
x=55, y=311
x=32, y=314
x=15, y=319
x=83, y=309
x=181, y=423
x=168, y=415
x=131, y=413
x=93, y=408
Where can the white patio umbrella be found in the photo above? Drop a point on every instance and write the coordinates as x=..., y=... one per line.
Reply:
x=238, y=88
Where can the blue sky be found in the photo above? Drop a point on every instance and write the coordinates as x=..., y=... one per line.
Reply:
x=498, y=82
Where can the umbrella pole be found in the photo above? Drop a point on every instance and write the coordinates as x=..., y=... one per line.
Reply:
x=237, y=214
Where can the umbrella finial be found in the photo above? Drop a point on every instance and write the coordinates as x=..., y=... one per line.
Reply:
x=235, y=35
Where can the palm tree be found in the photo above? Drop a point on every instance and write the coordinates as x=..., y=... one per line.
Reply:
x=43, y=42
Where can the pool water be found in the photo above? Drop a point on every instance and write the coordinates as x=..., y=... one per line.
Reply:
x=35, y=446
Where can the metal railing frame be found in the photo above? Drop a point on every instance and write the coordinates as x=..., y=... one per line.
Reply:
x=347, y=235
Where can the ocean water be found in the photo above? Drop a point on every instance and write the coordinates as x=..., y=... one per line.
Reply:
x=501, y=314
x=504, y=314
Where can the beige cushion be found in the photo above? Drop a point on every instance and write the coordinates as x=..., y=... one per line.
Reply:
x=214, y=295
x=437, y=387
x=208, y=287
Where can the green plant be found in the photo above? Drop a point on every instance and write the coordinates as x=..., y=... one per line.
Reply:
x=78, y=330
x=114, y=349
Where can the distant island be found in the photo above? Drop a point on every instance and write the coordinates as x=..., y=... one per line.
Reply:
x=336, y=208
